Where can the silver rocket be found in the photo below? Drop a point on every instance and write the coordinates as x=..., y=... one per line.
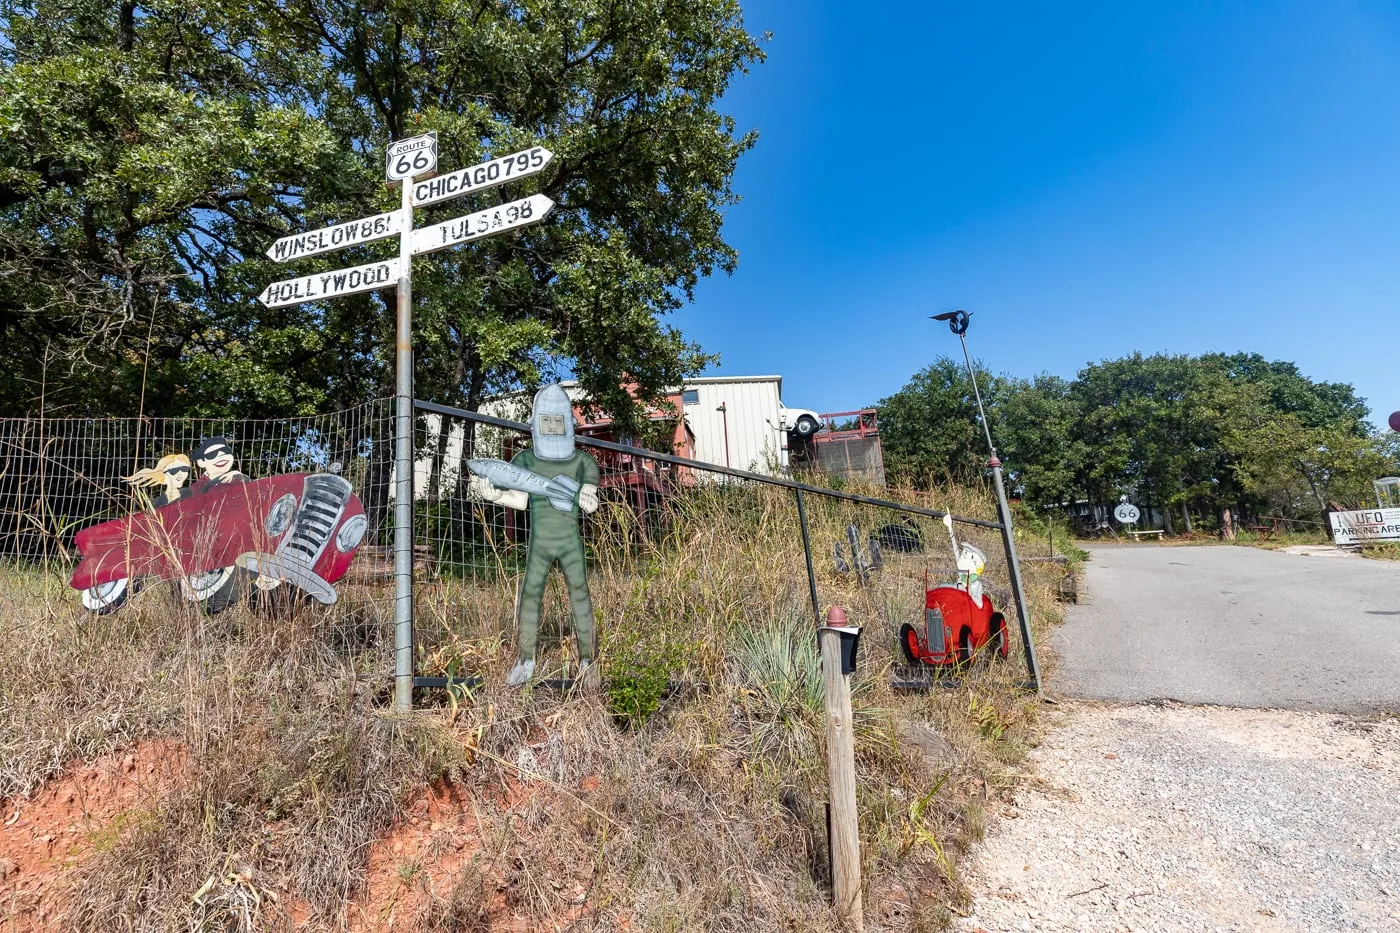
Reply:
x=560, y=491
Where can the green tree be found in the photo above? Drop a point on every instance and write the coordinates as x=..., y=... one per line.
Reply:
x=132, y=146
x=1188, y=435
x=153, y=150
x=1295, y=467
x=1036, y=425
x=1148, y=420
x=929, y=429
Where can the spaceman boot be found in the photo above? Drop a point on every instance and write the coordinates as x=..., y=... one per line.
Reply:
x=520, y=674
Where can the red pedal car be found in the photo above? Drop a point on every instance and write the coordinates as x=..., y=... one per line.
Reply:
x=960, y=622
x=300, y=529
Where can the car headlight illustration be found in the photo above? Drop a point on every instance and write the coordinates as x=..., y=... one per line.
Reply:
x=279, y=517
x=351, y=533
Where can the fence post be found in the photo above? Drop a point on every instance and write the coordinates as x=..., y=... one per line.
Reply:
x=807, y=553
x=841, y=774
x=1013, y=570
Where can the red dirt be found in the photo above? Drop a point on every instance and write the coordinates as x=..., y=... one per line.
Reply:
x=44, y=836
x=447, y=837
x=444, y=836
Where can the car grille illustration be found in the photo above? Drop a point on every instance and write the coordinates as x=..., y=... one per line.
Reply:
x=323, y=500
x=322, y=503
x=933, y=631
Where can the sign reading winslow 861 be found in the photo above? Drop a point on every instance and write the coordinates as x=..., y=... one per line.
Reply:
x=1365, y=526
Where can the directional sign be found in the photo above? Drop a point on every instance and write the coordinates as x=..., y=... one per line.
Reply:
x=483, y=176
x=409, y=158
x=482, y=223
x=1127, y=513
x=350, y=281
x=1366, y=526
x=353, y=233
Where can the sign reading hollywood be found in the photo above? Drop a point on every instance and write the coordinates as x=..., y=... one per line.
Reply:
x=366, y=278
x=481, y=224
x=483, y=176
x=353, y=233
x=1365, y=526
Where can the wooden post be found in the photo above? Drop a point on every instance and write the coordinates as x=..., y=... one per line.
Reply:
x=841, y=775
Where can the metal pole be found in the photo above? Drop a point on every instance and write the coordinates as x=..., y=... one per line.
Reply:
x=724, y=411
x=977, y=393
x=403, y=464
x=807, y=552
x=1013, y=564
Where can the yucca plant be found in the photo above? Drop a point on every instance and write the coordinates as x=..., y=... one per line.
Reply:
x=778, y=673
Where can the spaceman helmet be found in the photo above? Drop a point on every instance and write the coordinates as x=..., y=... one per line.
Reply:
x=552, y=423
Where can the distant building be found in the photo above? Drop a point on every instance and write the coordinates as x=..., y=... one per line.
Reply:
x=734, y=421
x=725, y=420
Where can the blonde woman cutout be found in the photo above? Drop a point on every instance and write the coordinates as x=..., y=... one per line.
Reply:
x=170, y=473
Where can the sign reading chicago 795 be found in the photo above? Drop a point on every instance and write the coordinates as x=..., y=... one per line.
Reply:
x=483, y=176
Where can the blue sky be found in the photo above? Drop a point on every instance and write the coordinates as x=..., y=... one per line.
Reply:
x=1087, y=179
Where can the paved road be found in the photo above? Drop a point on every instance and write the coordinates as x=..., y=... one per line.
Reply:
x=1235, y=626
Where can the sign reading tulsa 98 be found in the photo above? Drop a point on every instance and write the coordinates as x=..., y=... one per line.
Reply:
x=1365, y=526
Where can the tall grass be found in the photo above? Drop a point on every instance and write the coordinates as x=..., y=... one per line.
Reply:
x=706, y=812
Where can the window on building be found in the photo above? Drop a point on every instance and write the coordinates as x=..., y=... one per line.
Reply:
x=690, y=397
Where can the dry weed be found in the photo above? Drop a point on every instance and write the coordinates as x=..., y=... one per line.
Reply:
x=700, y=810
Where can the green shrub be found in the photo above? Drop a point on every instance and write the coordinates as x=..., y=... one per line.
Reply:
x=639, y=666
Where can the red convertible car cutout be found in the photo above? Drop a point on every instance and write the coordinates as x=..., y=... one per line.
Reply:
x=300, y=529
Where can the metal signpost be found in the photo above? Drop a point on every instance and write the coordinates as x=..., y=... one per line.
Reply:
x=406, y=161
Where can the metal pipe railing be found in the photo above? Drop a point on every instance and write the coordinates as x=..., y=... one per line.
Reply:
x=451, y=412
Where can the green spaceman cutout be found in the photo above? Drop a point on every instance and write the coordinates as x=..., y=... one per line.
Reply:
x=554, y=481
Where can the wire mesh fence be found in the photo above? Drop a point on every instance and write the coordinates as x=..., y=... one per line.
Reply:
x=679, y=554
x=60, y=475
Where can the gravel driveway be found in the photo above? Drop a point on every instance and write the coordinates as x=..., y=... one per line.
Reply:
x=1159, y=817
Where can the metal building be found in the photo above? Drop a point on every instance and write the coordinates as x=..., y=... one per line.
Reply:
x=736, y=421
